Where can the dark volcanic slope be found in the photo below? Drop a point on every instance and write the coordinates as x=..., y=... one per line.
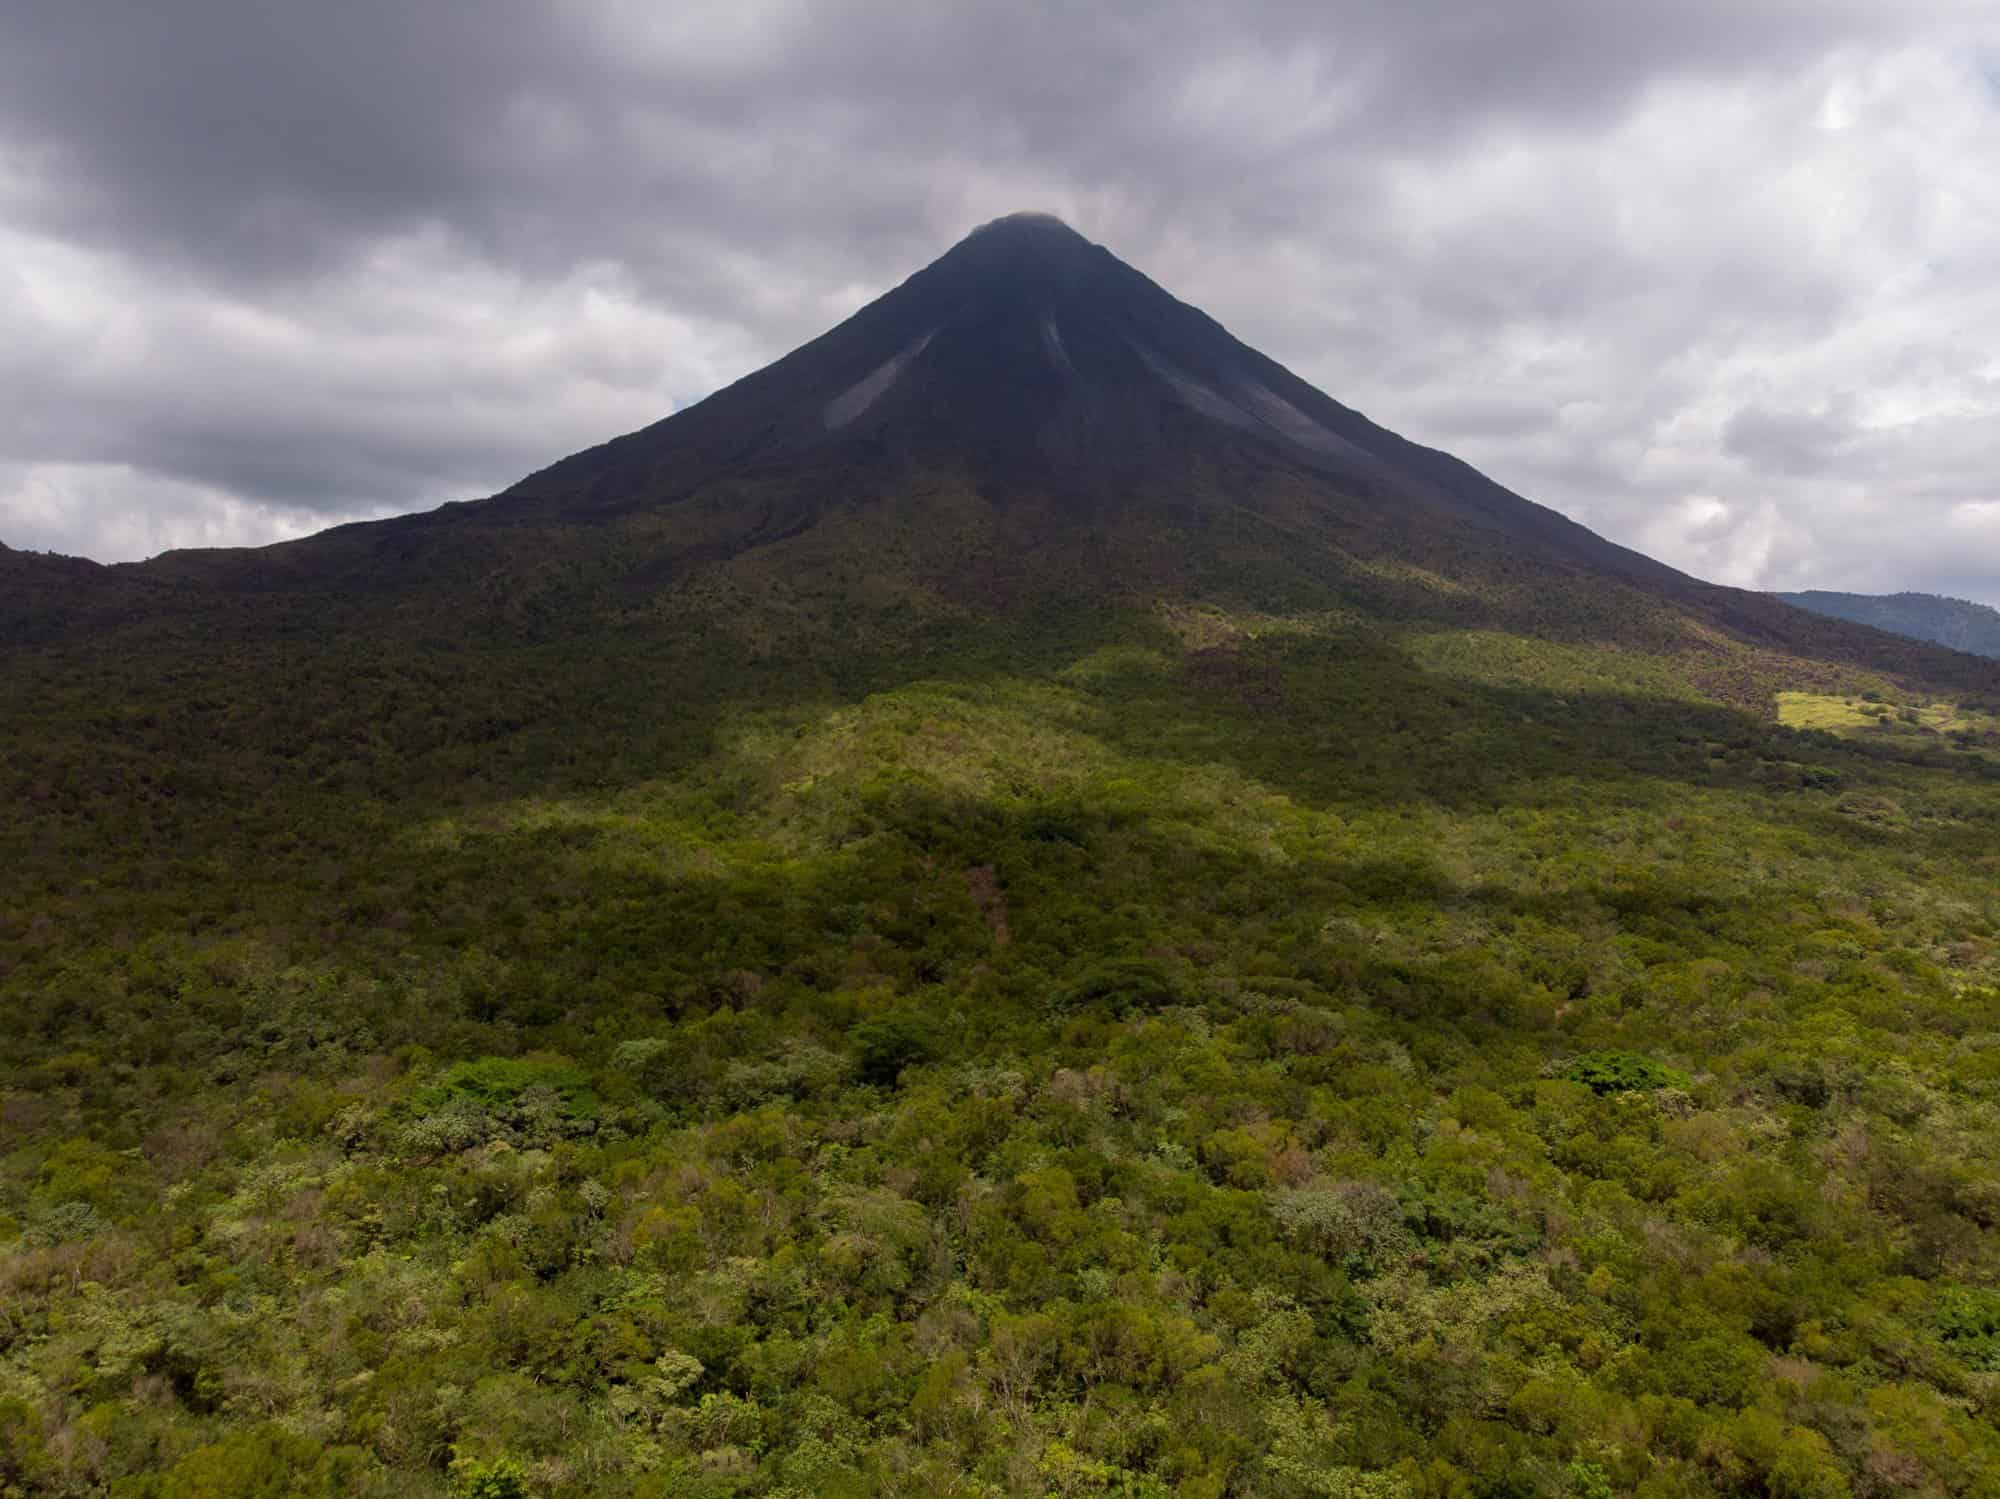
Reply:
x=1029, y=358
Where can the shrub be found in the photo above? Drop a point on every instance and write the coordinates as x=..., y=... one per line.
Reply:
x=502, y=1478
x=495, y=1082
x=1968, y=1319
x=886, y=1045
x=265, y=1462
x=1621, y=1072
x=1123, y=985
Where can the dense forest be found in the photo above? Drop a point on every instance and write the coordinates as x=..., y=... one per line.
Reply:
x=1018, y=904
x=857, y=1045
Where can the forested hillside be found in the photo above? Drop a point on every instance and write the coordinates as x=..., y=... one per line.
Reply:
x=1958, y=623
x=1235, y=985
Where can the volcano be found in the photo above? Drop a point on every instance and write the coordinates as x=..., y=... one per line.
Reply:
x=1019, y=902
x=1027, y=418
x=1030, y=361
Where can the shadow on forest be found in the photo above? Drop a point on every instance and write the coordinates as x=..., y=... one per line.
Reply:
x=301, y=833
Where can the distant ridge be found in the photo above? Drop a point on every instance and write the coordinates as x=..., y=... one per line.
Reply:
x=1958, y=623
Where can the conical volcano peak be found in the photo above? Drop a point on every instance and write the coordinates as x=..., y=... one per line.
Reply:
x=1036, y=366
x=1025, y=355
x=1030, y=246
x=1028, y=228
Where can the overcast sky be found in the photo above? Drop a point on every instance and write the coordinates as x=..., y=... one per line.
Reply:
x=1719, y=278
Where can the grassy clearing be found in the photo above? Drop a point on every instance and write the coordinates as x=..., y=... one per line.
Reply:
x=1961, y=725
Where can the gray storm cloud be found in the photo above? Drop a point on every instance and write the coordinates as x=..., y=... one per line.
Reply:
x=1712, y=278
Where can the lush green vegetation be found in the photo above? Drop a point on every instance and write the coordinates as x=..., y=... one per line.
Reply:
x=1907, y=720
x=834, y=1043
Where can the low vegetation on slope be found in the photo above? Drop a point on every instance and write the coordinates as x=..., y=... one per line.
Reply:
x=1114, y=1050
x=1910, y=719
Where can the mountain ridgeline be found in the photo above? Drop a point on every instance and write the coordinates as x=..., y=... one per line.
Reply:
x=1958, y=623
x=1018, y=903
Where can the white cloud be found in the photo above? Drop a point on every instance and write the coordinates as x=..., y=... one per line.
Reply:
x=1721, y=302
x=159, y=411
x=130, y=514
